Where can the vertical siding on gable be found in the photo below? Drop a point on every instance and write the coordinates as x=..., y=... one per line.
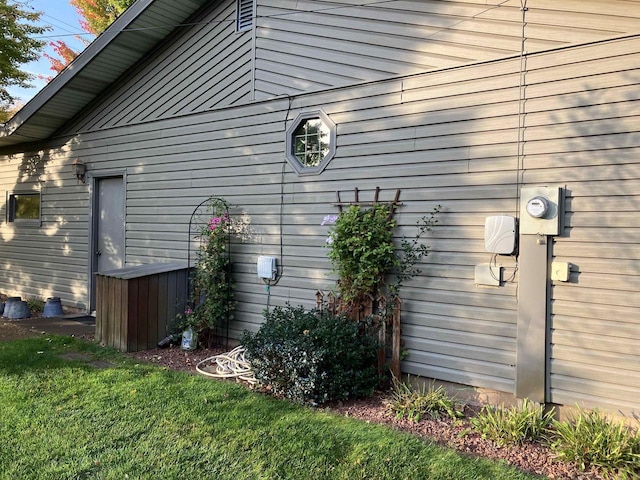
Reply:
x=205, y=66
x=310, y=45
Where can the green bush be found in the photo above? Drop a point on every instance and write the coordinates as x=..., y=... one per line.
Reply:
x=312, y=356
x=408, y=402
x=35, y=304
x=590, y=438
x=512, y=425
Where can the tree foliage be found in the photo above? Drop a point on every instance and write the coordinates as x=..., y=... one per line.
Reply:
x=99, y=14
x=9, y=110
x=65, y=55
x=17, y=46
x=96, y=15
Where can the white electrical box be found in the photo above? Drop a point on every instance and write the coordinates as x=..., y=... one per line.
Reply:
x=500, y=234
x=560, y=271
x=487, y=274
x=267, y=268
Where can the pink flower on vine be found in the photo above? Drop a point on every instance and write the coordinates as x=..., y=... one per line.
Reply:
x=214, y=222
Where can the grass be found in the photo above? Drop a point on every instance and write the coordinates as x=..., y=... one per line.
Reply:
x=407, y=401
x=70, y=409
x=513, y=425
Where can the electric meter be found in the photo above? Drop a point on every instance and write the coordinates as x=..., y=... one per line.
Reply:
x=538, y=207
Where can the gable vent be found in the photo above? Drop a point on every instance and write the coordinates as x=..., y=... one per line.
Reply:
x=245, y=15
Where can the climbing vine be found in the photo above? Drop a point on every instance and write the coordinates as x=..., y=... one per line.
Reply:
x=364, y=257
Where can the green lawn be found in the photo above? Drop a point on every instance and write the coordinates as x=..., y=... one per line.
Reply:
x=69, y=409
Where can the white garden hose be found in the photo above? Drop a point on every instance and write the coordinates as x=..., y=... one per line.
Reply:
x=228, y=365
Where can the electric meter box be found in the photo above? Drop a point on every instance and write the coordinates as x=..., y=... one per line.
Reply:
x=541, y=210
x=267, y=268
x=500, y=234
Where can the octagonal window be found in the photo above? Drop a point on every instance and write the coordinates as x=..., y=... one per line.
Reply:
x=311, y=142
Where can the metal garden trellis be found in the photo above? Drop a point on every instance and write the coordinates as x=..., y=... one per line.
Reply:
x=201, y=215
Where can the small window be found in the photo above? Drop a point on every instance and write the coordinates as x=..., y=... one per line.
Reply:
x=311, y=141
x=24, y=207
x=244, y=20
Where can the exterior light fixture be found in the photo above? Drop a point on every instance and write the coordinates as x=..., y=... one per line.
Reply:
x=79, y=169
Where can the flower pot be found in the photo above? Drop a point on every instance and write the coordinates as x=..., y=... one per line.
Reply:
x=189, y=339
x=15, y=308
x=52, y=308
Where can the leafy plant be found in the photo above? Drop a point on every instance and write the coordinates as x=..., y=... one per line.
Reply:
x=362, y=251
x=35, y=305
x=313, y=356
x=363, y=254
x=412, y=251
x=513, y=424
x=408, y=402
x=212, y=294
x=590, y=438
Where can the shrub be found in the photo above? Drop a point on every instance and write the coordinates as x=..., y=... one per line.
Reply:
x=35, y=305
x=590, y=438
x=408, y=402
x=313, y=356
x=514, y=424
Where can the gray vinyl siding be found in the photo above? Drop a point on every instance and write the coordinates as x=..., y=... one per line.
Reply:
x=447, y=138
x=582, y=133
x=49, y=260
x=313, y=45
x=204, y=66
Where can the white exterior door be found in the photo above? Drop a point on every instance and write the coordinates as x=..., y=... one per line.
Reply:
x=108, y=228
x=109, y=245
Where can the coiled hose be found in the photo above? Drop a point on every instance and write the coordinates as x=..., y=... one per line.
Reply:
x=228, y=365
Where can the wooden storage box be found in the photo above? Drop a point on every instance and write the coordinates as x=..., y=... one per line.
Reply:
x=136, y=305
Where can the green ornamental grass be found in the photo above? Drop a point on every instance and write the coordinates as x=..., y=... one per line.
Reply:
x=589, y=438
x=71, y=410
x=513, y=425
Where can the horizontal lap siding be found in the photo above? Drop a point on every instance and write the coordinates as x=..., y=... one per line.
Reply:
x=447, y=138
x=586, y=139
x=460, y=153
x=198, y=68
x=311, y=45
x=49, y=260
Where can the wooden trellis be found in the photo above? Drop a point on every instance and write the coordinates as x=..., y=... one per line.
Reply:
x=390, y=341
x=395, y=203
x=389, y=330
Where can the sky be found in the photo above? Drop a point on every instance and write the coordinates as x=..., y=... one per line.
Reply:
x=65, y=23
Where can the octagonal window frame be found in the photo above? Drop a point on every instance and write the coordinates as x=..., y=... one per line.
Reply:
x=291, y=157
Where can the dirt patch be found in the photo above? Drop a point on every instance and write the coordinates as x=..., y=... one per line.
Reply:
x=86, y=358
x=12, y=331
x=175, y=358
